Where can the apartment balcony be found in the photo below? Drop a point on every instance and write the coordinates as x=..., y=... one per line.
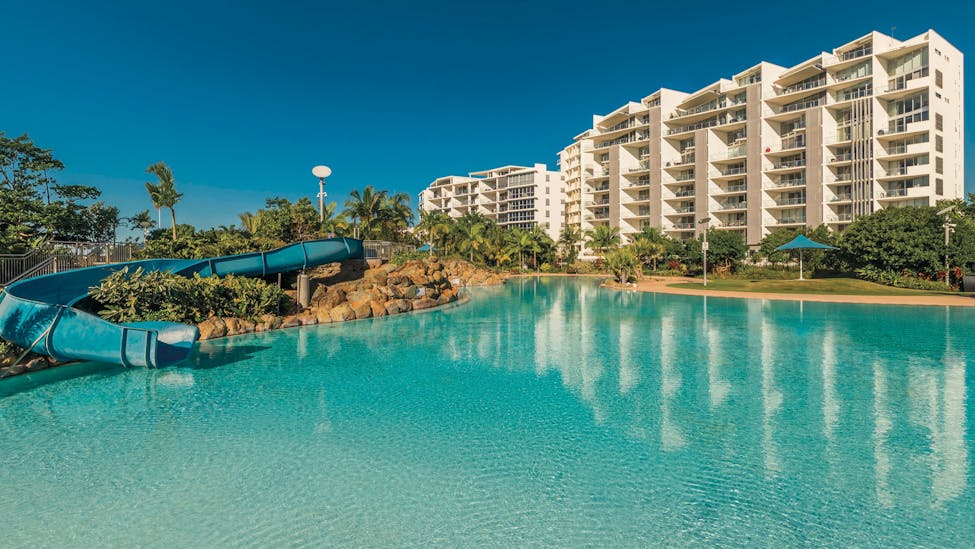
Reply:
x=710, y=123
x=733, y=206
x=683, y=226
x=733, y=224
x=736, y=152
x=788, y=146
x=789, y=221
x=903, y=193
x=787, y=183
x=684, y=209
x=842, y=178
x=785, y=112
x=687, y=193
x=850, y=58
x=642, y=182
x=797, y=91
x=787, y=166
x=842, y=97
x=737, y=188
x=643, y=166
x=596, y=203
x=730, y=172
x=683, y=178
x=903, y=131
x=906, y=84
x=680, y=164
x=840, y=159
x=784, y=203
x=901, y=152
x=842, y=197
x=599, y=188
x=904, y=172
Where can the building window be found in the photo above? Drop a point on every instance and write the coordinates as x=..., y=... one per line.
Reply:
x=939, y=122
x=938, y=78
x=939, y=186
x=939, y=165
x=939, y=143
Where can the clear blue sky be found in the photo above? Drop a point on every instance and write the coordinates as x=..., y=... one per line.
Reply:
x=242, y=98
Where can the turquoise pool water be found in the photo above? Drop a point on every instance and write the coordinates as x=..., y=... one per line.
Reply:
x=546, y=412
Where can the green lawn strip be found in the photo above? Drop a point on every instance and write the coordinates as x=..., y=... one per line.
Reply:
x=825, y=286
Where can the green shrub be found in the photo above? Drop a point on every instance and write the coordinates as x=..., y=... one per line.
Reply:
x=403, y=257
x=755, y=272
x=904, y=279
x=9, y=349
x=138, y=296
x=547, y=268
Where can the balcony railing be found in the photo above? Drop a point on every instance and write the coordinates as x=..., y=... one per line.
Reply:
x=791, y=220
x=857, y=53
x=734, y=152
x=842, y=197
x=893, y=193
x=683, y=194
x=735, y=223
x=735, y=188
x=844, y=217
x=712, y=106
x=685, y=209
x=789, y=183
x=734, y=170
x=800, y=106
x=789, y=164
x=855, y=94
x=791, y=201
x=804, y=86
x=682, y=226
x=845, y=157
x=684, y=177
x=796, y=142
x=734, y=205
x=710, y=123
x=900, y=82
x=642, y=166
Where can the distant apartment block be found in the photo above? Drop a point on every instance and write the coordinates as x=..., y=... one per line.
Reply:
x=512, y=196
x=877, y=123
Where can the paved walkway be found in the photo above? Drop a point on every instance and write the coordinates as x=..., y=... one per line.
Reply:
x=662, y=285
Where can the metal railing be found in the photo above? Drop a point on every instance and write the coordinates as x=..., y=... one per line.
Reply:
x=13, y=265
x=379, y=249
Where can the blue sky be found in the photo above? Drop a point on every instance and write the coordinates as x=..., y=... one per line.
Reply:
x=242, y=98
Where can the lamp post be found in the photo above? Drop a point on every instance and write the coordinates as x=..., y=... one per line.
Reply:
x=704, y=247
x=321, y=172
x=949, y=228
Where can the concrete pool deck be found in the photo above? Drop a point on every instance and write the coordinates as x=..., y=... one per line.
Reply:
x=664, y=285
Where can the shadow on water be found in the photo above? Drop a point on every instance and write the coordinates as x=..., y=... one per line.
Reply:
x=34, y=380
x=209, y=355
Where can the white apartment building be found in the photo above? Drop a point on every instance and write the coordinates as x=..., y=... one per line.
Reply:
x=512, y=196
x=877, y=123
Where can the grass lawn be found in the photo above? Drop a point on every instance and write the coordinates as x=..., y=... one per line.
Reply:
x=825, y=286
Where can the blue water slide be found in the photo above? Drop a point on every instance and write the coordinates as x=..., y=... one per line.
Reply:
x=39, y=313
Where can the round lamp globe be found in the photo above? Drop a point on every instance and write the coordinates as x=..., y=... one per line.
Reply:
x=321, y=171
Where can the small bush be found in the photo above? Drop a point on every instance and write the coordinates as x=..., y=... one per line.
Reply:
x=139, y=296
x=9, y=349
x=547, y=268
x=904, y=279
x=403, y=257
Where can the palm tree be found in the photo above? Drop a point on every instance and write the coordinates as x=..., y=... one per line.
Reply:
x=250, y=222
x=142, y=221
x=365, y=208
x=164, y=193
x=603, y=238
x=471, y=233
x=570, y=236
x=647, y=250
x=435, y=227
x=335, y=223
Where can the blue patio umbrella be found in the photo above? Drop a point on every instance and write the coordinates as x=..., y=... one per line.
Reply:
x=802, y=243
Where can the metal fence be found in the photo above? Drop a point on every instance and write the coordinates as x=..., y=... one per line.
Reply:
x=378, y=249
x=60, y=256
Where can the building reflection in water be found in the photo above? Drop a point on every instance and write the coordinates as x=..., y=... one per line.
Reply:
x=798, y=378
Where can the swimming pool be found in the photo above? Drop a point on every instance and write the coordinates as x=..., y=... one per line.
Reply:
x=543, y=412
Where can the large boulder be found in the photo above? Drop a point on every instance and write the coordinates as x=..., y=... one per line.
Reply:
x=397, y=306
x=330, y=298
x=361, y=309
x=341, y=313
x=378, y=309
x=212, y=328
x=423, y=303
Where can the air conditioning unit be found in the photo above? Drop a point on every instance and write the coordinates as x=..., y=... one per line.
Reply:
x=881, y=132
x=669, y=164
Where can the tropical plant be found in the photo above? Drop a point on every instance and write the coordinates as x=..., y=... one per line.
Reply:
x=364, y=209
x=622, y=263
x=603, y=238
x=142, y=221
x=726, y=250
x=471, y=234
x=163, y=194
x=568, y=239
x=250, y=222
x=435, y=228
x=134, y=296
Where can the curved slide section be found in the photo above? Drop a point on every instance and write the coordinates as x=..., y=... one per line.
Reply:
x=38, y=312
